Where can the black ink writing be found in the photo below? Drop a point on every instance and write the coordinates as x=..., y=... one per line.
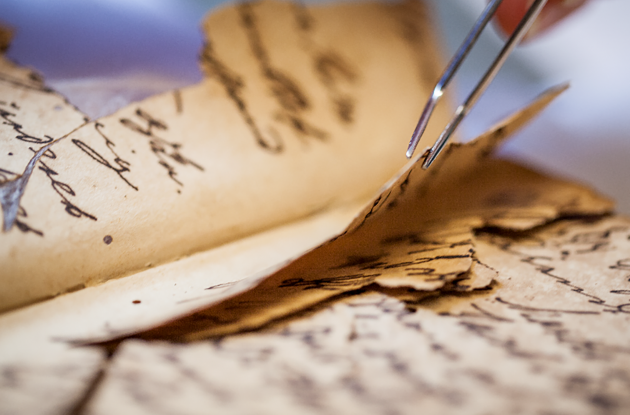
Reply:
x=64, y=190
x=7, y=116
x=165, y=151
x=333, y=70
x=119, y=165
x=292, y=100
x=234, y=84
x=330, y=283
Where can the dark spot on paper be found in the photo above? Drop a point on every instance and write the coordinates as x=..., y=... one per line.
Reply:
x=108, y=239
x=136, y=301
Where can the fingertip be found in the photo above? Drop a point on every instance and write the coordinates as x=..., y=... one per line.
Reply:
x=554, y=12
x=510, y=13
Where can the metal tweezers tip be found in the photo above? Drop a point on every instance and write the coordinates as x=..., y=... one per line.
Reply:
x=481, y=86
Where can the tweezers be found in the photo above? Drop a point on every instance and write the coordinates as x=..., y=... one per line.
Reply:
x=454, y=65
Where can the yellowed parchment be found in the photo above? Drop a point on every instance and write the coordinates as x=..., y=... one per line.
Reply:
x=456, y=289
x=376, y=252
x=295, y=117
x=550, y=337
x=416, y=234
x=424, y=213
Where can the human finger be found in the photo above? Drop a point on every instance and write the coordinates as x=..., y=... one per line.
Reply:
x=510, y=13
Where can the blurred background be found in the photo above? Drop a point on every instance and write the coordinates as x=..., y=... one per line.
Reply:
x=103, y=54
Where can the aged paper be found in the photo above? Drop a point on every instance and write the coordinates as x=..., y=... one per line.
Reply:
x=550, y=336
x=416, y=234
x=245, y=272
x=463, y=288
x=294, y=118
x=34, y=118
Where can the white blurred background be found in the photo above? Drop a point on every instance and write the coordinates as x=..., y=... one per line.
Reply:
x=103, y=54
x=585, y=134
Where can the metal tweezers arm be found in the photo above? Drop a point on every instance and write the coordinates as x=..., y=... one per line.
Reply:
x=454, y=65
